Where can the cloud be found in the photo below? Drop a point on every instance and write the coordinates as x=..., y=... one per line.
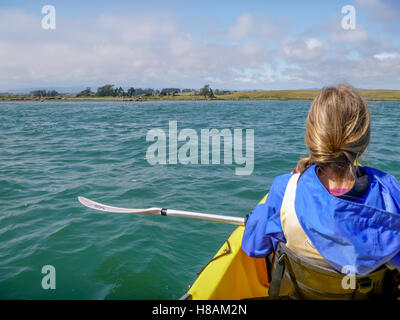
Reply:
x=254, y=26
x=313, y=43
x=387, y=56
x=337, y=34
x=147, y=50
x=308, y=49
x=158, y=50
x=380, y=10
x=242, y=27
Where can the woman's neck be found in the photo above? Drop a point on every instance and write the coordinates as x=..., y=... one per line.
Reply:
x=332, y=181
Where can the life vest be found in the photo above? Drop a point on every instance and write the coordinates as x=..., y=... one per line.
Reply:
x=300, y=272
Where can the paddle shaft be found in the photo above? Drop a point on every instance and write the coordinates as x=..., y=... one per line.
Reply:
x=203, y=216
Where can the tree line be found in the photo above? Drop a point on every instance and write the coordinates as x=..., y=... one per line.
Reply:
x=44, y=93
x=108, y=90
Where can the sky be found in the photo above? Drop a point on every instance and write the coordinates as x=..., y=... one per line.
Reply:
x=235, y=45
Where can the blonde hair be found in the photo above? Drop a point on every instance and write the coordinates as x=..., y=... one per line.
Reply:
x=337, y=130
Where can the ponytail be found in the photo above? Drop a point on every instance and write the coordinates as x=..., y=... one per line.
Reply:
x=337, y=130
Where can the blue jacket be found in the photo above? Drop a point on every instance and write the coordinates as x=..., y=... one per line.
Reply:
x=363, y=234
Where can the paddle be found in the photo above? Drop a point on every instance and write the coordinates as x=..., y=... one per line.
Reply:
x=164, y=212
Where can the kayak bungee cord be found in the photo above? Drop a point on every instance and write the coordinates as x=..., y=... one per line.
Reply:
x=164, y=212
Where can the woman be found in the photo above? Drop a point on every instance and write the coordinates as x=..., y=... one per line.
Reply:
x=332, y=211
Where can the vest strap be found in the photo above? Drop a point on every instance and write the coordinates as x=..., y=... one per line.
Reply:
x=296, y=238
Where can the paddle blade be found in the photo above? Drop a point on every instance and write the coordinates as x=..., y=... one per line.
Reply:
x=106, y=208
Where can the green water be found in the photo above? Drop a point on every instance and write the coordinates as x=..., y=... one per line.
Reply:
x=51, y=152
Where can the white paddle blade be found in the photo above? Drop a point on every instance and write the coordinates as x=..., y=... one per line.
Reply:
x=103, y=207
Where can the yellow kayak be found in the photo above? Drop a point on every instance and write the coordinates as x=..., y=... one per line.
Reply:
x=231, y=274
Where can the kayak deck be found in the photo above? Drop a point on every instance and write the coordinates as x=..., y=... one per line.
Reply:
x=231, y=274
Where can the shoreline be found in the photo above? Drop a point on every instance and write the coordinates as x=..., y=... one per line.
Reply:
x=173, y=100
x=275, y=95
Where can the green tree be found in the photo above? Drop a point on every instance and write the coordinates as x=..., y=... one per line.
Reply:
x=131, y=92
x=105, y=91
x=85, y=93
x=170, y=91
x=207, y=92
x=39, y=93
x=119, y=92
x=188, y=90
x=52, y=93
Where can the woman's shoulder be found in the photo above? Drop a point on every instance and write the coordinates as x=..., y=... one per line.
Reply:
x=277, y=189
x=382, y=176
x=280, y=182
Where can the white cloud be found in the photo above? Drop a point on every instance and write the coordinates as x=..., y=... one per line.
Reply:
x=356, y=36
x=242, y=27
x=311, y=48
x=157, y=50
x=145, y=50
x=245, y=80
x=387, y=56
x=380, y=10
x=313, y=43
x=253, y=26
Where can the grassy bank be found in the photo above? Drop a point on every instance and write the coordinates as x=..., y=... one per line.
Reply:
x=371, y=95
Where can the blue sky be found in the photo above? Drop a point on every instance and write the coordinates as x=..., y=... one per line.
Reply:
x=227, y=44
